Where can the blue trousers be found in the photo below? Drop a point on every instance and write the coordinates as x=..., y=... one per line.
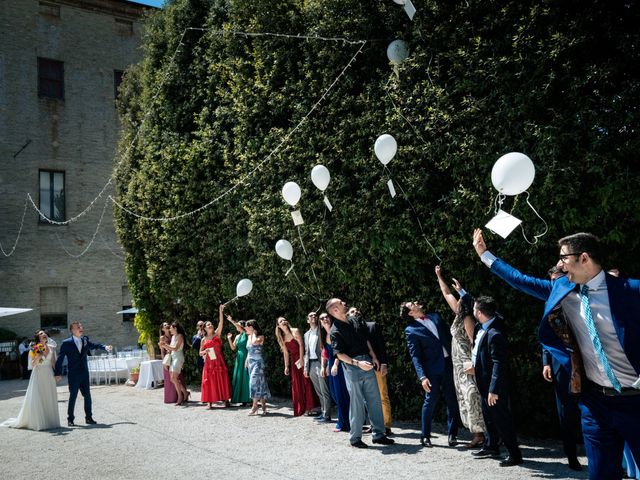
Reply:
x=81, y=384
x=607, y=423
x=364, y=395
x=444, y=383
x=568, y=411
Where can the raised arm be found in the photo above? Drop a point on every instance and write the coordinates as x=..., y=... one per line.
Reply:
x=220, y=320
x=232, y=343
x=446, y=292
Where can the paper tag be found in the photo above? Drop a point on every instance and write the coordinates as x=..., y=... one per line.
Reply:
x=327, y=203
x=636, y=384
x=410, y=9
x=289, y=271
x=297, y=217
x=392, y=189
x=503, y=223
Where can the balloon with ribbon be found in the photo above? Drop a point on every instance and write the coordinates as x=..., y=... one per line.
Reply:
x=285, y=251
x=243, y=288
x=321, y=177
x=397, y=52
x=291, y=193
x=513, y=173
x=385, y=149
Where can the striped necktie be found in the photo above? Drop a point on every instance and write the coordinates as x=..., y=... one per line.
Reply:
x=595, y=338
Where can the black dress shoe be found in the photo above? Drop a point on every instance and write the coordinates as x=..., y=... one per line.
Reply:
x=486, y=452
x=384, y=440
x=453, y=440
x=359, y=444
x=511, y=461
x=388, y=432
x=425, y=442
x=90, y=421
x=574, y=464
x=70, y=423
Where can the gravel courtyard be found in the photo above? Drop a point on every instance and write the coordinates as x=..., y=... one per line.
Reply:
x=140, y=437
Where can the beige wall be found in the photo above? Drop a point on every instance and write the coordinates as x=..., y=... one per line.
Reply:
x=77, y=135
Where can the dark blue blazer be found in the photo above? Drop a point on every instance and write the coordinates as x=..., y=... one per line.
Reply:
x=76, y=361
x=624, y=300
x=492, y=361
x=425, y=348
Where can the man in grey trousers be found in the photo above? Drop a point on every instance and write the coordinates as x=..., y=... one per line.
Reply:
x=312, y=367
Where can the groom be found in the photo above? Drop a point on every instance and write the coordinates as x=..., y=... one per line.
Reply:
x=76, y=348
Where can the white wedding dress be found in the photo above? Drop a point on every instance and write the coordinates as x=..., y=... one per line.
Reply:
x=40, y=408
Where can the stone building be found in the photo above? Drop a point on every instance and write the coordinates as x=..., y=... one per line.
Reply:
x=61, y=62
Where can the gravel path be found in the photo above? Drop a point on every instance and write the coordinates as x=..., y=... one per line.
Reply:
x=140, y=437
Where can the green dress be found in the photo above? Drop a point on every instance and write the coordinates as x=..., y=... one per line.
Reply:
x=240, y=392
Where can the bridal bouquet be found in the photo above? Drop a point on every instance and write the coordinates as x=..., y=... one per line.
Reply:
x=37, y=349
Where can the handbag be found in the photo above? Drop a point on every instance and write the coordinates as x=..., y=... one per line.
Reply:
x=166, y=361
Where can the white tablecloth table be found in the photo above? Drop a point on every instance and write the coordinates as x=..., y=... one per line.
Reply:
x=150, y=374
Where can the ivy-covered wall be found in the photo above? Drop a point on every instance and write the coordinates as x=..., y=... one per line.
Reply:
x=555, y=79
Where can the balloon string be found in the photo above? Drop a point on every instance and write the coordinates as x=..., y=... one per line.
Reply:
x=497, y=203
x=313, y=272
x=415, y=130
x=546, y=226
x=417, y=217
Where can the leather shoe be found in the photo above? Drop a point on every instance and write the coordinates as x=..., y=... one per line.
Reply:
x=70, y=423
x=90, y=421
x=574, y=464
x=384, y=440
x=486, y=452
x=511, y=461
x=425, y=442
x=388, y=432
x=323, y=420
x=453, y=440
x=359, y=444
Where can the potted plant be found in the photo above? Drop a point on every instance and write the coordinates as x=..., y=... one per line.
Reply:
x=135, y=373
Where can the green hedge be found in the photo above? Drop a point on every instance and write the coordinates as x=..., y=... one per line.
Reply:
x=554, y=79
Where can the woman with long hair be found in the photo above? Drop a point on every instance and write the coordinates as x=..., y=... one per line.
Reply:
x=464, y=380
x=291, y=344
x=215, y=377
x=258, y=387
x=333, y=371
x=176, y=347
x=40, y=407
x=170, y=393
x=240, y=383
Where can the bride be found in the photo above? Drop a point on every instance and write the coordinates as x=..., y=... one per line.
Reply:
x=40, y=408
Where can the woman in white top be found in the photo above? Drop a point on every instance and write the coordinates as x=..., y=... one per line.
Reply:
x=177, y=360
x=40, y=407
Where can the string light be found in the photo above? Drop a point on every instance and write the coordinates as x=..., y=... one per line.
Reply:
x=15, y=244
x=93, y=238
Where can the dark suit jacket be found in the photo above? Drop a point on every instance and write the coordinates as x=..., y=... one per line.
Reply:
x=624, y=300
x=377, y=342
x=492, y=361
x=425, y=349
x=76, y=361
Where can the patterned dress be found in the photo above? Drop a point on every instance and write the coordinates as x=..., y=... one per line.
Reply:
x=466, y=388
x=258, y=387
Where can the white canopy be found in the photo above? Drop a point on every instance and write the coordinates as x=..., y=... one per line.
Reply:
x=128, y=310
x=5, y=312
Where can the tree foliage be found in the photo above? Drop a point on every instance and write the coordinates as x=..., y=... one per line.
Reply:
x=555, y=79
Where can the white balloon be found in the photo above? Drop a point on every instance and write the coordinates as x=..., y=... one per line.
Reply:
x=291, y=193
x=284, y=249
x=513, y=173
x=244, y=287
x=397, y=51
x=320, y=177
x=385, y=148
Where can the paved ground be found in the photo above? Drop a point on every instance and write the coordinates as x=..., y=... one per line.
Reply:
x=140, y=437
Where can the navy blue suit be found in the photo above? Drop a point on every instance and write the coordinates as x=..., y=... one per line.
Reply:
x=566, y=404
x=492, y=376
x=429, y=361
x=607, y=421
x=77, y=372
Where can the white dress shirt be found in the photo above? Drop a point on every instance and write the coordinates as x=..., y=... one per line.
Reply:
x=313, y=342
x=78, y=342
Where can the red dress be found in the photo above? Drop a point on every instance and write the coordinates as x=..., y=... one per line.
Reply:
x=215, y=378
x=303, y=396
